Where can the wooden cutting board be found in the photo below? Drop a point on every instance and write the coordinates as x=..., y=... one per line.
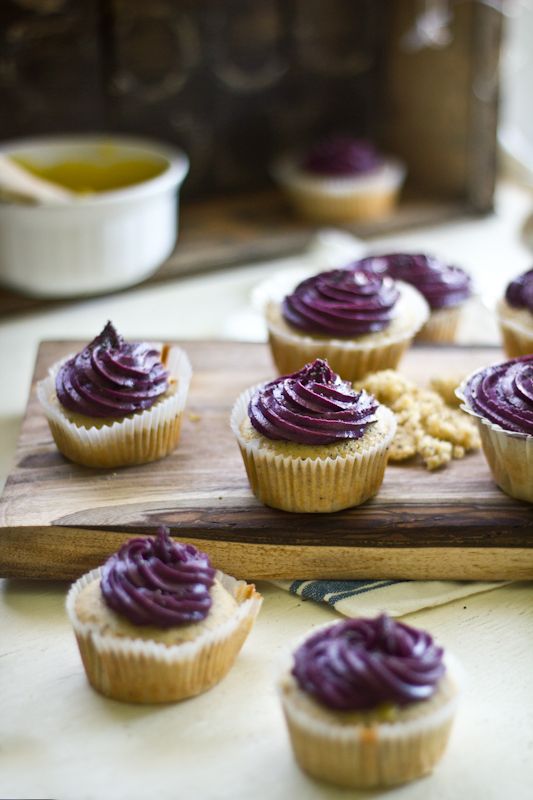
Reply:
x=58, y=519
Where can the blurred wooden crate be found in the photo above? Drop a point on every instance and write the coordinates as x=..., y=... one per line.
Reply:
x=238, y=81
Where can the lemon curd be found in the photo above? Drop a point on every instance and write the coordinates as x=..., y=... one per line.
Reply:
x=104, y=171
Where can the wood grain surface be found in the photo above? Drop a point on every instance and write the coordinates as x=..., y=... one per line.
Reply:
x=58, y=519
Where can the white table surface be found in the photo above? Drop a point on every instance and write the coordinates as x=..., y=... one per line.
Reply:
x=59, y=739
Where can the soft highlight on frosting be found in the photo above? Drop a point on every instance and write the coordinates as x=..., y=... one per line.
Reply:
x=342, y=156
x=311, y=406
x=361, y=664
x=519, y=293
x=157, y=581
x=503, y=394
x=111, y=378
x=442, y=285
x=341, y=303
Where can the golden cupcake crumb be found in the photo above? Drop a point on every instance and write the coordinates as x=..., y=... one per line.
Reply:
x=426, y=425
x=445, y=386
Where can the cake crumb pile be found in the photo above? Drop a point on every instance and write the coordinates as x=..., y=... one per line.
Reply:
x=445, y=386
x=426, y=425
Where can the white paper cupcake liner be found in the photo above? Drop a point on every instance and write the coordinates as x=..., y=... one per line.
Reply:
x=441, y=326
x=352, y=359
x=137, y=439
x=141, y=671
x=372, y=753
x=509, y=454
x=516, y=327
x=312, y=485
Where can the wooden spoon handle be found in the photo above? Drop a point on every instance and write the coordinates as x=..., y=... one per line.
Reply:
x=15, y=180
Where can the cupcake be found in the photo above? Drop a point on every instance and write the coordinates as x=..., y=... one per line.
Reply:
x=369, y=703
x=341, y=180
x=446, y=289
x=116, y=403
x=500, y=397
x=157, y=623
x=358, y=320
x=515, y=315
x=310, y=443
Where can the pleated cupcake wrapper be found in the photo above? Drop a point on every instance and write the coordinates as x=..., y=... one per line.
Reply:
x=509, y=454
x=342, y=208
x=351, y=359
x=371, y=754
x=517, y=339
x=441, y=326
x=320, y=485
x=141, y=671
x=138, y=439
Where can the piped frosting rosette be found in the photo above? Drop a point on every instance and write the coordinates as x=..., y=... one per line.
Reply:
x=116, y=403
x=158, y=582
x=342, y=157
x=361, y=664
x=342, y=304
x=160, y=587
x=500, y=397
x=369, y=702
x=297, y=436
x=111, y=378
x=359, y=321
x=515, y=316
x=445, y=287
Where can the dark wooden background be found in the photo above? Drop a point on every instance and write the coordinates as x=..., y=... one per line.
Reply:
x=236, y=81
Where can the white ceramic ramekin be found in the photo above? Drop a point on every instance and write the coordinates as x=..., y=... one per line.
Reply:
x=98, y=242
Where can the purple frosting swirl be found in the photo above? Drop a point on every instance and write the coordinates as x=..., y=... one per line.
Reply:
x=519, y=293
x=111, y=378
x=156, y=581
x=342, y=303
x=442, y=285
x=342, y=156
x=312, y=406
x=360, y=664
x=503, y=394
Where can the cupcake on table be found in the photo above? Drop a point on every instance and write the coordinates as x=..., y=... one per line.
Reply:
x=446, y=288
x=500, y=397
x=357, y=319
x=515, y=316
x=311, y=443
x=116, y=403
x=341, y=179
x=157, y=623
x=369, y=703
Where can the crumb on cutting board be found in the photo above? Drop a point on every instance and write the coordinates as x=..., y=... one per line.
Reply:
x=426, y=425
x=445, y=386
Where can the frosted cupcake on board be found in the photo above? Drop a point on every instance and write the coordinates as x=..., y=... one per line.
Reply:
x=358, y=320
x=500, y=397
x=341, y=179
x=157, y=623
x=446, y=289
x=310, y=443
x=515, y=316
x=116, y=403
x=369, y=703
